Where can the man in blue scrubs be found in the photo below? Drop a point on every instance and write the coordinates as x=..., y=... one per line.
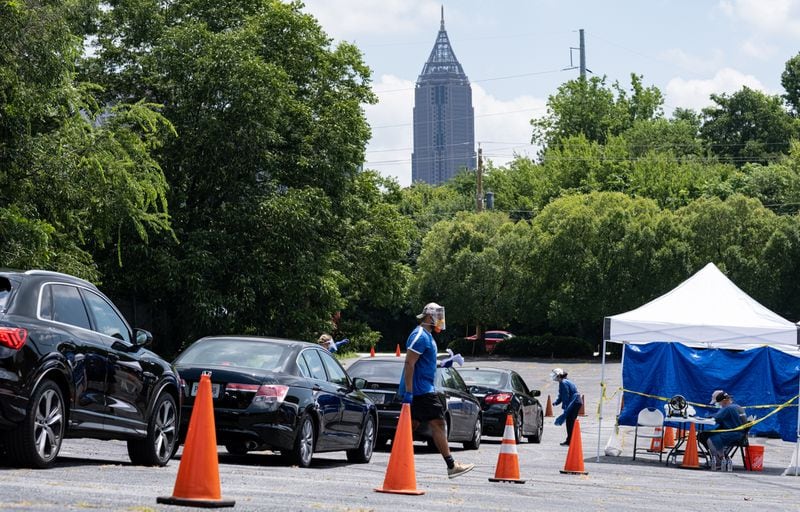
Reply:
x=728, y=417
x=419, y=374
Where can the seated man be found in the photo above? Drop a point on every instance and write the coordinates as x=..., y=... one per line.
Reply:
x=728, y=417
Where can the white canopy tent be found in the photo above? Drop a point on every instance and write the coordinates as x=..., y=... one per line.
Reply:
x=706, y=310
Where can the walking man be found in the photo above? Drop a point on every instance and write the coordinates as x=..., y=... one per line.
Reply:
x=417, y=383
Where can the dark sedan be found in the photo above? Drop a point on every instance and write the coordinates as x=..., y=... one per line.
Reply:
x=283, y=395
x=503, y=392
x=462, y=410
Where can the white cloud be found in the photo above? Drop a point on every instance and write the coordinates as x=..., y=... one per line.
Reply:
x=692, y=63
x=767, y=16
x=389, y=150
x=347, y=19
x=758, y=49
x=501, y=126
x=695, y=93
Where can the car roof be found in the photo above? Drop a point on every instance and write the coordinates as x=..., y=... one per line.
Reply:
x=264, y=339
x=488, y=369
x=45, y=274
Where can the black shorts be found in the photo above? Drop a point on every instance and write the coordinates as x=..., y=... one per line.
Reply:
x=426, y=408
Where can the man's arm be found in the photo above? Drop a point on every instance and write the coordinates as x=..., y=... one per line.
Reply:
x=408, y=370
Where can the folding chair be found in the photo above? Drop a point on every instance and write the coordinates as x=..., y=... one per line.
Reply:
x=740, y=445
x=649, y=419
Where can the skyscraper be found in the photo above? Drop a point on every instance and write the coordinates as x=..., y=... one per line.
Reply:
x=444, y=121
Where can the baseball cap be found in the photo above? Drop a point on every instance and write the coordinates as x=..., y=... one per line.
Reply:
x=429, y=309
x=718, y=396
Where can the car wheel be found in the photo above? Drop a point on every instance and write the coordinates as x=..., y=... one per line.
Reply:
x=537, y=437
x=37, y=440
x=303, y=450
x=236, y=448
x=363, y=453
x=519, y=421
x=477, y=432
x=158, y=446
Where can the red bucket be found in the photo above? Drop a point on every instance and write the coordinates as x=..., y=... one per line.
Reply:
x=755, y=457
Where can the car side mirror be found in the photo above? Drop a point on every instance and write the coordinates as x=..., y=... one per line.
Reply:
x=142, y=338
x=359, y=382
x=536, y=392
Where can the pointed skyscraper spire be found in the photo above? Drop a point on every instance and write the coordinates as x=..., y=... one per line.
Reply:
x=442, y=59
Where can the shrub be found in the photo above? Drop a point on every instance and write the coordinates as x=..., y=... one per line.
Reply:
x=547, y=345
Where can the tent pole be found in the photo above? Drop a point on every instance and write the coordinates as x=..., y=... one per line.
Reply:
x=600, y=409
x=797, y=441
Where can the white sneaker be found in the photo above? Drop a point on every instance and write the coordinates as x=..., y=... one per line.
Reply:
x=459, y=469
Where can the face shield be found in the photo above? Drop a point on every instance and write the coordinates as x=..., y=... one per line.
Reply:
x=436, y=312
x=556, y=373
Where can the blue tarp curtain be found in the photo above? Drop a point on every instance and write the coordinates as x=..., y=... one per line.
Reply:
x=760, y=376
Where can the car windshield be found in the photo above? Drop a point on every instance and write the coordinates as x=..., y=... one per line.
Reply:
x=239, y=353
x=376, y=370
x=483, y=378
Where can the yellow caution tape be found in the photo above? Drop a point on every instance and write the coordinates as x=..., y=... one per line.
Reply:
x=776, y=407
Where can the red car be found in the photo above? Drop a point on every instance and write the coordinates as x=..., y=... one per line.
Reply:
x=491, y=338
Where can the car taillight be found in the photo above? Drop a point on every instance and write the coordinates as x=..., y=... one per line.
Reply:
x=499, y=398
x=267, y=395
x=13, y=337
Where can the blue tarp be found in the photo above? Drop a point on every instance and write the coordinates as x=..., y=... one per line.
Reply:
x=760, y=376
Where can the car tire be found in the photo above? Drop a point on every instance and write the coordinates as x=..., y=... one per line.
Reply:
x=303, y=449
x=162, y=434
x=537, y=437
x=236, y=448
x=363, y=453
x=519, y=422
x=477, y=432
x=35, y=443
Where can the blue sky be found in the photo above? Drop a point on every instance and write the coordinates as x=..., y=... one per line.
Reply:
x=515, y=51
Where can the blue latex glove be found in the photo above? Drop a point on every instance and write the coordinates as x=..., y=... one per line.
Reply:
x=561, y=419
x=408, y=397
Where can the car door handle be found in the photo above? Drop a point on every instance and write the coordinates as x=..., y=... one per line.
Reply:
x=316, y=388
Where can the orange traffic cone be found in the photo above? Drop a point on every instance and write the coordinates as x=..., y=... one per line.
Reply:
x=397, y=350
x=372, y=351
x=401, y=476
x=508, y=462
x=197, y=484
x=574, y=463
x=669, y=437
x=690, y=455
x=655, y=443
x=548, y=411
x=582, y=412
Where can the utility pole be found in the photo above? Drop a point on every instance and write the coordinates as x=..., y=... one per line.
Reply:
x=479, y=182
x=582, y=56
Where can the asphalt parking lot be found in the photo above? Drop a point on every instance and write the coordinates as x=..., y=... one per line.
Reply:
x=92, y=475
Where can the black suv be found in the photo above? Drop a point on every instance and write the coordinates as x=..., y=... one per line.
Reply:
x=70, y=366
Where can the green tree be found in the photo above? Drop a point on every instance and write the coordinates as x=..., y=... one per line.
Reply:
x=590, y=108
x=733, y=233
x=467, y=265
x=589, y=255
x=790, y=80
x=73, y=175
x=265, y=171
x=748, y=126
